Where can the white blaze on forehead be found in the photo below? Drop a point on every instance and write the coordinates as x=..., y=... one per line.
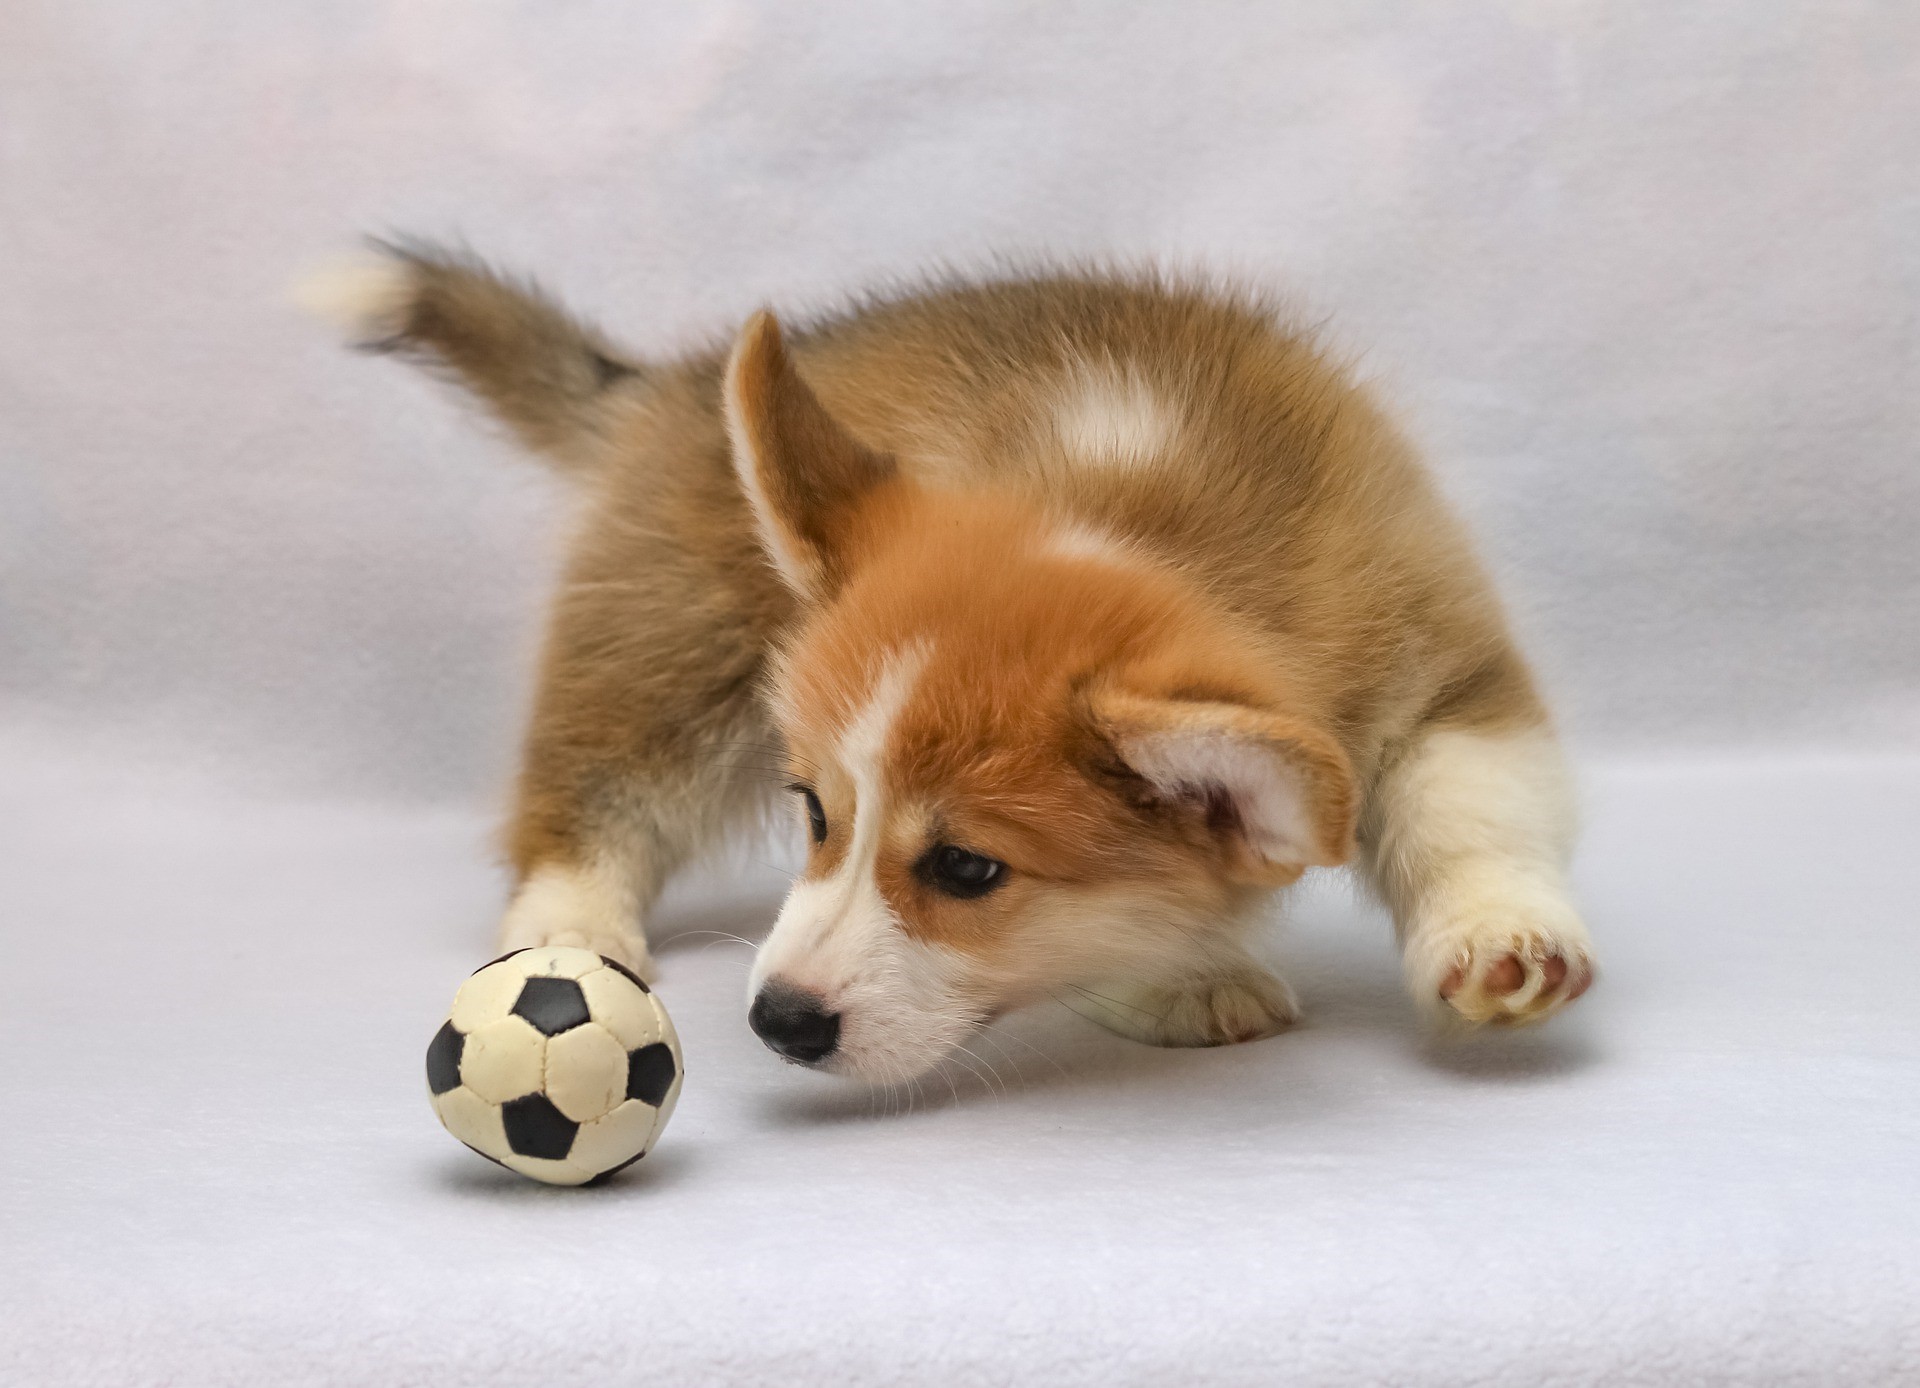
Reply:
x=1109, y=416
x=830, y=926
x=864, y=743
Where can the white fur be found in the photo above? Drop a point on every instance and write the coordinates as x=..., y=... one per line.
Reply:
x=1474, y=831
x=838, y=938
x=863, y=743
x=1110, y=417
x=1081, y=541
x=793, y=565
x=594, y=907
x=1267, y=791
x=367, y=297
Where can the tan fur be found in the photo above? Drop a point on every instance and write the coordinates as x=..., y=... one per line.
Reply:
x=1125, y=527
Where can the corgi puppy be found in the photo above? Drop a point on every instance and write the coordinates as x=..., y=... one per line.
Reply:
x=1078, y=614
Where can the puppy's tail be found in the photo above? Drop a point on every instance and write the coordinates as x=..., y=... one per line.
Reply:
x=556, y=382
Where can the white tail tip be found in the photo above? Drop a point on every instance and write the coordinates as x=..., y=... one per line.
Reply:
x=366, y=296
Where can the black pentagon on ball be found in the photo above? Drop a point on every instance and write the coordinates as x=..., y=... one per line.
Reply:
x=553, y=1005
x=632, y=977
x=443, y=1059
x=535, y=1128
x=650, y=1073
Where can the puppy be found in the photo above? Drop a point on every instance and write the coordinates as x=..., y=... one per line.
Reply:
x=1080, y=613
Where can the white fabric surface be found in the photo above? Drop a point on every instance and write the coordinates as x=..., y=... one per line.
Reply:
x=1641, y=276
x=221, y=1167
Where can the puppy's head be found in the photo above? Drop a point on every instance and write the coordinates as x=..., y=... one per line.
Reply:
x=1025, y=757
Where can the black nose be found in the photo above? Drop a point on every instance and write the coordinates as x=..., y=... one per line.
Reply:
x=794, y=1024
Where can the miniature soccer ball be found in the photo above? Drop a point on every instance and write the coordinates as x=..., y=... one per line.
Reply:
x=557, y=1063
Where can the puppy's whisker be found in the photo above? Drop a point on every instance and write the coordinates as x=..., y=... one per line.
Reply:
x=978, y=1077
x=1117, y=1004
x=1083, y=1016
x=989, y=1068
x=1006, y=1057
x=1009, y=1036
x=724, y=936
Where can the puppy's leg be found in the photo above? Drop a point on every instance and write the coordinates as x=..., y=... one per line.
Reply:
x=1231, y=998
x=648, y=742
x=1467, y=838
x=598, y=829
x=556, y=382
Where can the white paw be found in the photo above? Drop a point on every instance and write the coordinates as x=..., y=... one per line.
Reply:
x=1218, y=1010
x=1516, y=960
x=570, y=906
x=629, y=949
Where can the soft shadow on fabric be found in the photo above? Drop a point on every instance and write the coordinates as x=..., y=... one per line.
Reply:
x=471, y=1177
x=1537, y=1055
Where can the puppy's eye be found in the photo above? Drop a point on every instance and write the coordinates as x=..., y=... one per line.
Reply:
x=816, y=812
x=957, y=872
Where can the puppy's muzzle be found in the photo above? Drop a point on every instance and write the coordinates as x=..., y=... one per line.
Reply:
x=794, y=1023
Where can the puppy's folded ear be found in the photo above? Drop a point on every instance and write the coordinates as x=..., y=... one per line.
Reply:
x=802, y=472
x=1276, y=793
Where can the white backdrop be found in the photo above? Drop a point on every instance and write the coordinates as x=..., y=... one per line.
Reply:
x=1641, y=276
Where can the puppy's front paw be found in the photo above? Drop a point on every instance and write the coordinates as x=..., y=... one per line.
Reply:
x=1214, y=1011
x=565, y=906
x=1514, y=972
x=625, y=948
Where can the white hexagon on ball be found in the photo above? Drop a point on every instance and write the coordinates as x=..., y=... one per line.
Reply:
x=556, y=1063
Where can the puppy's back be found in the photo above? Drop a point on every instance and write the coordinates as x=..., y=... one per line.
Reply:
x=1195, y=427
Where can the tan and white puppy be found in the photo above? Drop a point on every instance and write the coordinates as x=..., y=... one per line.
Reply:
x=1080, y=613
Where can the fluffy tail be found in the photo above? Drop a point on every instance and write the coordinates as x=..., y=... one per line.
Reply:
x=554, y=381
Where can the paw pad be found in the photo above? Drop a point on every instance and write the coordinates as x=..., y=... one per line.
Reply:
x=1511, y=985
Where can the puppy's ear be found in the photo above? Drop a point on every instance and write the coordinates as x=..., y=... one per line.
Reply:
x=802, y=472
x=1275, y=793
